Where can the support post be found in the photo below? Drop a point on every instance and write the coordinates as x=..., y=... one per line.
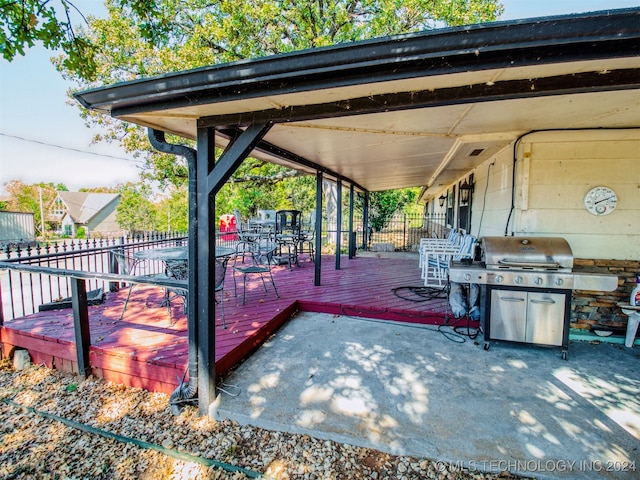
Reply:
x=205, y=317
x=352, y=240
x=81, y=325
x=338, y=222
x=211, y=177
x=365, y=222
x=318, y=237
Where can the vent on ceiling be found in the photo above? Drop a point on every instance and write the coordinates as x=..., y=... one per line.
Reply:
x=476, y=152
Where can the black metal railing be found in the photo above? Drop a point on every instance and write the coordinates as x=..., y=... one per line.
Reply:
x=23, y=292
x=402, y=231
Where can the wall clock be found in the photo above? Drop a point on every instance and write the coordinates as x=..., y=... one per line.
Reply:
x=600, y=201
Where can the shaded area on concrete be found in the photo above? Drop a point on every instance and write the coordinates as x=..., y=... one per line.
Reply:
x=410, y=389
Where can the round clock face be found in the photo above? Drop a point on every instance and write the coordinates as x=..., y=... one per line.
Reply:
x=600, y=201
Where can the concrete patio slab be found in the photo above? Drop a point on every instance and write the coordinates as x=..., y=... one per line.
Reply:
x=413, y=390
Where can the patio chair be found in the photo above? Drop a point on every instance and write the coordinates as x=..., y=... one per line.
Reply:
x=178, y=269
x=288, y=236
x=245, y=235
x=308, y=235
x=262, y=259
x=127, y=265
x=430, y=244
x=436, y=261
x=220, y=273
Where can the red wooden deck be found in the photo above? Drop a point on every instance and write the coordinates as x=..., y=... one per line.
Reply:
x=144, y=350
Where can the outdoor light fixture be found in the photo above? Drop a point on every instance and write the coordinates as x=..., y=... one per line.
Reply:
x=465, y=191
x=441, y=199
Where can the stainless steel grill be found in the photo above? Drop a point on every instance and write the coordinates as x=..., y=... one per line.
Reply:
x=526, y=288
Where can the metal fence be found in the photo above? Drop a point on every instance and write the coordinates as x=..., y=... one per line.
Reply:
x=22, y=293
x=401, y=233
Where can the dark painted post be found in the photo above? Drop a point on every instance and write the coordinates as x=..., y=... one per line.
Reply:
x=365, y=222
x=352, y=240
x=318, y=237
x=338, y=222
x=81, y=325
x=205, y=318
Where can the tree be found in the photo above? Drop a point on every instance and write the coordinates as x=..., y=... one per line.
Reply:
x=36, y=198
x=135, y=212
x=24, y=23
x=148, y=37
x=172, y=212
x=142, y=38
x=383, y=205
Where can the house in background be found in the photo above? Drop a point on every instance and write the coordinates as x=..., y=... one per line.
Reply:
x=94, y=212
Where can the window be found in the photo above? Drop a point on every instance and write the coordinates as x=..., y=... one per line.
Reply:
x=451, y=194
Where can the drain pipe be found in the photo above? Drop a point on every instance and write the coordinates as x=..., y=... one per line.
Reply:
x=186, y=393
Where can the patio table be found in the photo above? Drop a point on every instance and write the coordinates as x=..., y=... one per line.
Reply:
x=175, y=253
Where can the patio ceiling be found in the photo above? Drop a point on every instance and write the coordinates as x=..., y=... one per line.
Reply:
x=411, y=110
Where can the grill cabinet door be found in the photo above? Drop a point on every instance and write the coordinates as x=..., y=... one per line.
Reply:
x=508, y=315
x=545, y=318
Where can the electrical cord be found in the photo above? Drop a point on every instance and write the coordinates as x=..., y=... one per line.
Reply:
x=421, y=294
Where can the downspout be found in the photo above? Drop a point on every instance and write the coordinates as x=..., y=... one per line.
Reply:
x=186, y=393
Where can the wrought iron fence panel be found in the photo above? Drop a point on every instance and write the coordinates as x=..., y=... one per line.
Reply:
x=402, y=232
x=23, y=293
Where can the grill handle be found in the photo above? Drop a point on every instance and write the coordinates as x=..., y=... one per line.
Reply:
x=545, y=300
x=513, y=263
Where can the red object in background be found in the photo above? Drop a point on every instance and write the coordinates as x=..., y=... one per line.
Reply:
x=228, y=224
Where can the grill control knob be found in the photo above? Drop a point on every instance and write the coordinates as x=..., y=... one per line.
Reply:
x=499, y=278
x=518, y=280
x=538, y=281
x=467, y=276
x=559, y=281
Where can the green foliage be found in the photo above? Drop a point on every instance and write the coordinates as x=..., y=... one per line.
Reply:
x=36, y=198
x=172, y=212
x=135, y=212
x=149, y=37
x=383, y=205
x=27, y=22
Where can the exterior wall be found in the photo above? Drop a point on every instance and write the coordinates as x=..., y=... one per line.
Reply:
x=553, y=172
x=16, y=227
x=67, y=226
x=104, y=222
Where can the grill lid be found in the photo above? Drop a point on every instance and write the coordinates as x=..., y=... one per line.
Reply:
x=531, y=253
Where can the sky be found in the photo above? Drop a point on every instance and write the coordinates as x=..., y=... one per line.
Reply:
x=44, y=139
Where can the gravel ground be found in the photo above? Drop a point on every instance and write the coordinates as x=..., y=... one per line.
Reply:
x=37, y=446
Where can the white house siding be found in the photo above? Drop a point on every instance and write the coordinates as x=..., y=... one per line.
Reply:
x=554, y=170
x=492, y=195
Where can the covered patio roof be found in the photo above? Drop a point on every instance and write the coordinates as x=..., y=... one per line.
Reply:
x=409, y=110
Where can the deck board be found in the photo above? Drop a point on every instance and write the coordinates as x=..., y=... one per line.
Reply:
x=145, y=350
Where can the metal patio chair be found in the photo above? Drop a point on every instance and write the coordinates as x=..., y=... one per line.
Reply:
x=220, y=273
x=262, y=259
x=288, y=235
x=127, y=265
x=436, y=261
